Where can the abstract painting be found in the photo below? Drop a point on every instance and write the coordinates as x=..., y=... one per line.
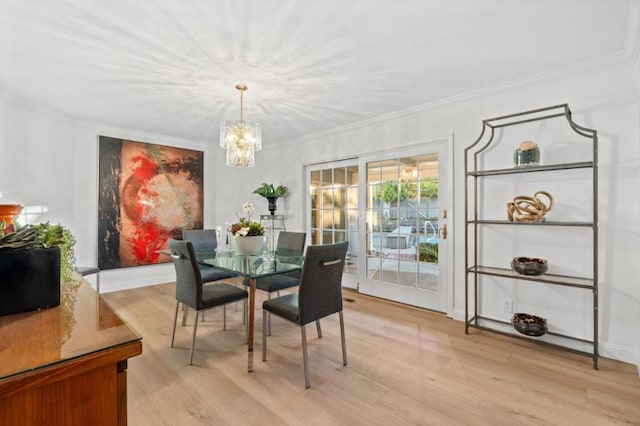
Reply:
x=147, y=194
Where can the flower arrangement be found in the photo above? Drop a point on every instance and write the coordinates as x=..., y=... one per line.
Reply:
x=245, y=227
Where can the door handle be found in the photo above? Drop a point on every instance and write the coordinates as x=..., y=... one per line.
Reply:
x=443, y=232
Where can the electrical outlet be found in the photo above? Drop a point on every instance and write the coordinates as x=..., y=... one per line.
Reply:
x=507, y=305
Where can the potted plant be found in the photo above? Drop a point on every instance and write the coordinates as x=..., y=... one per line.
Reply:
x=249, y=235
x=32, y=261
x=271, y=193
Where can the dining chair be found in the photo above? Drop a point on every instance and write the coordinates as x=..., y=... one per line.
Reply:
x=290, y=245
x=191, y=292
x=205, y=243
x=319, y=295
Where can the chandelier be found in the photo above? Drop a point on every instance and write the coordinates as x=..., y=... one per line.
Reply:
x=240, y=139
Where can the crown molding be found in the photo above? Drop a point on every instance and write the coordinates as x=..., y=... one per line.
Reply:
x=630, y=53
x=632, y=39
x=579, y=68
x=30, y=105
x=100, y=128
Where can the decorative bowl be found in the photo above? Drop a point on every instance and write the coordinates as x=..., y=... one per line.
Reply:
x=529, y=265
x=529, y=325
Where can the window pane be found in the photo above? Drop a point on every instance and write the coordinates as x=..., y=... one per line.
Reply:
x=327, y=177
x=352, y=175
x=316, y=237
x=340, y=176
x=374, y=173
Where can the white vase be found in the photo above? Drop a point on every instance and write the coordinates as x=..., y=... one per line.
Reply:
x=251, y=246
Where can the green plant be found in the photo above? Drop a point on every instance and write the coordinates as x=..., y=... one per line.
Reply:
x=45, y=235
x=429, y=188
x=428, y=252
x=268, y=190
x=245, y=227
x=389, y=192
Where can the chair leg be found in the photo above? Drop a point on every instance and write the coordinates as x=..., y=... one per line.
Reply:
x=344, y=344
x=175, y=321
x=193, y=339
x=224, y=317
x=305, y=358
x=269, y=315
x=98, y=283
x=318, y=328
x=264, y=335
x=184, y=314
x=235, y=282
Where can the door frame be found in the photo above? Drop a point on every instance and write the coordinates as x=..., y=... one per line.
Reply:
x=450, y=173
x=349, y=281
x=445, y=146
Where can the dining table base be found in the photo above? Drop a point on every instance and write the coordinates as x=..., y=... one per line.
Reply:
x=252, y=318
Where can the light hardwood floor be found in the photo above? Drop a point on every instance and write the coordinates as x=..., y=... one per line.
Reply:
x=406, y=366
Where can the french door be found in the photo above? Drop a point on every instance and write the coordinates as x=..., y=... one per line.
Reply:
x=392, y=207
x=333, y=203
x=405, y=199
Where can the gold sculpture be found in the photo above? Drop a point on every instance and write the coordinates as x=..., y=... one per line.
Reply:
x=529, y=209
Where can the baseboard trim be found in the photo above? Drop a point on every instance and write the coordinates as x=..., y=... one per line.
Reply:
x=619, y=353
x=107, y=286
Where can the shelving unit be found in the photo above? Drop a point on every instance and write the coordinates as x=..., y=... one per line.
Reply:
x=474, y=245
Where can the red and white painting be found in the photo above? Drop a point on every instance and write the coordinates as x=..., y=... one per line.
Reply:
x=148, y=193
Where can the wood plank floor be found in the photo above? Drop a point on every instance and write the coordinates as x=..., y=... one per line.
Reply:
x=406, y=366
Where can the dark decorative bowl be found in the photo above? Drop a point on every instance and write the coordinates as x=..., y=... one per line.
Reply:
x=529, y=325
x=529, y=265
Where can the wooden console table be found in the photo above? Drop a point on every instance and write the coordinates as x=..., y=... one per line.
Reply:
x=66, y=365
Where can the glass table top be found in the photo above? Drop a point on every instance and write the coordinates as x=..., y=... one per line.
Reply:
x=256, y=266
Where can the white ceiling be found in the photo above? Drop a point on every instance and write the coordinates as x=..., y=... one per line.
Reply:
x=170, y=66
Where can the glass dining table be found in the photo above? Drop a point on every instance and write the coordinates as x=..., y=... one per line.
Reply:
x=254, y=267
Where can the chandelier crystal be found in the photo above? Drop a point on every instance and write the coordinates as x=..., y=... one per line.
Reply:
x=241, y=139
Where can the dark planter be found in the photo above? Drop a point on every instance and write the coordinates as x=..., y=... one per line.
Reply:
x=272, y=204
x=29, y=280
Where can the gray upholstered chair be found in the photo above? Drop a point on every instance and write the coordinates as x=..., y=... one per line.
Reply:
x=290, y=244
x=191, y=292
x=205, y=243
x=319, y=295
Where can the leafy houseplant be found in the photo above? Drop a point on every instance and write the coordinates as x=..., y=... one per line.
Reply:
x=33, y=260
x=44, y=235
x=268, y=190
x=271, y=193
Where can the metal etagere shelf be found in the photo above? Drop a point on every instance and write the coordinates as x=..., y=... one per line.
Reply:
x=473, y=224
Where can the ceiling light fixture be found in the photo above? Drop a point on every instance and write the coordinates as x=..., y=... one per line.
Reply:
x=240, y=139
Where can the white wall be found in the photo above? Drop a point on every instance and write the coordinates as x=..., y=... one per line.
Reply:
x=601, y=96
x=51, y=159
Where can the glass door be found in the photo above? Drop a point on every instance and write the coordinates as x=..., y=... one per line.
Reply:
x=405, y=194
x=333, y=189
